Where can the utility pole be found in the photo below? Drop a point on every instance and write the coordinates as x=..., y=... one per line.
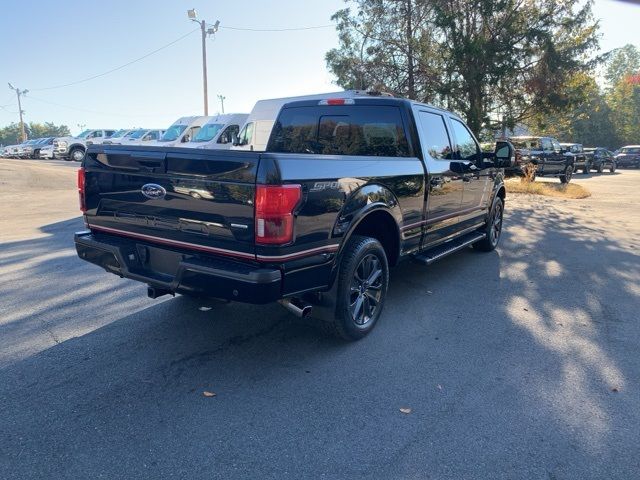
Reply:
x=23, y=135
x=221, y=98
x=193, y=16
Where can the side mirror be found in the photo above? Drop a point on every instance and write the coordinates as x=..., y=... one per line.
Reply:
x=235, y=140
x=186, y=138
x=504, y=154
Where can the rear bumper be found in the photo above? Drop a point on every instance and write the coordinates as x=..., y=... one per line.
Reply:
x=177, y=272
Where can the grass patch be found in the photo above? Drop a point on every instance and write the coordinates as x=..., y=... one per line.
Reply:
x=561, y=190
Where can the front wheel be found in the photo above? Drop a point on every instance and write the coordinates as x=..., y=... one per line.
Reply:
x=76, y=154
x=613, y=168
x=566, y=176
x=493, y=228
x=362, y=288
x=601, y=168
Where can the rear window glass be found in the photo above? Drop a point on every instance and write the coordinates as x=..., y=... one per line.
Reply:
x=336, y=130
x=527, y=143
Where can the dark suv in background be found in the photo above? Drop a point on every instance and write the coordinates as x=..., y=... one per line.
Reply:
x=544, y=152
x=600, y=158
x=628, y=156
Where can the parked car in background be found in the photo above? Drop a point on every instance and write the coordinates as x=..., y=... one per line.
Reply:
x=544, y=152
x=600, y=158
x=182, y=130
x=73, y=148
x=117, y=136
x=11, y=151
x=219, y=132
x=628, y=156
x=143, y=135
x=39, y=145
x=579, y=158
x=25, y=149
x=46, y=152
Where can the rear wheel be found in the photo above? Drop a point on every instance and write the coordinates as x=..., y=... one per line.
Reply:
x=566, y=176
x=362, y=289
x=493, y=228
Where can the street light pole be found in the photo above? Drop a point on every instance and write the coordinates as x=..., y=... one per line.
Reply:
x=204, y=67
x=193, y=16
x=221, y=98
x=23, y=135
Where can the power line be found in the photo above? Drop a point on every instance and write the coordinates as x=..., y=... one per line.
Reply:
x=119, y=114
x=246, y=29
x=117, y=68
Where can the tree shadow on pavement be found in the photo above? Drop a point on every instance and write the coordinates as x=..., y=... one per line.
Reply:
x=508, y=361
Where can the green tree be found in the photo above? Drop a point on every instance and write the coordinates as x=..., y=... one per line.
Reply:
x=585, y=116
x=11, y=133
x=624, y=100
x=492, y=61
x=623, y=61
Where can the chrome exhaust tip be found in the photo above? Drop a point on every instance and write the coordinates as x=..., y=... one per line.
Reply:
x=297, y=307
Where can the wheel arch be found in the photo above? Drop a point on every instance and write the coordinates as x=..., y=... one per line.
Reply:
x=373, y=211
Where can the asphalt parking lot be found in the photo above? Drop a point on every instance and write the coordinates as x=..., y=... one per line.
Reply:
x=521, y=363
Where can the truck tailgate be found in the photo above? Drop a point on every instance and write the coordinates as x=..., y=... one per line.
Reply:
x=194, y=199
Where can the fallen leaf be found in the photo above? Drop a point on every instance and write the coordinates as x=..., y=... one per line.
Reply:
x=439, y=387
x=204, y=309
x=614, y=389
x=405, y=410
x=526, y=309
x=208, y=394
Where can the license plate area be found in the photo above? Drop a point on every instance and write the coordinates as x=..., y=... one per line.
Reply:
x=159, y=260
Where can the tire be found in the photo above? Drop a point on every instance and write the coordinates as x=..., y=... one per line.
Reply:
x=76, y=154
x=493, y=228
x=612, y=169
x=363, y=278
x=566, y=176
x=601, y=168
x=586, y=169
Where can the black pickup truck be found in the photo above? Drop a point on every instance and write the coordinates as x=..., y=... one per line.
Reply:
x=346, y=189
x=546, y=154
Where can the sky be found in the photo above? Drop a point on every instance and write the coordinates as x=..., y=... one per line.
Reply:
x=48, y=44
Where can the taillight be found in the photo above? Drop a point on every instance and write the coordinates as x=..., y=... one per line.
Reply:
x=274, y=213
x=81, y=183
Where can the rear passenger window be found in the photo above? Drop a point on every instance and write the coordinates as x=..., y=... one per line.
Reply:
x=335, y=130
x=434, y=136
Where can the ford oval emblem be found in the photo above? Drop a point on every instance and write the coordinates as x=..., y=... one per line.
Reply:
x=153, y=191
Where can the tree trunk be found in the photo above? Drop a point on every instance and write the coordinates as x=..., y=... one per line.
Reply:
x=411, y=83
x=475, y=109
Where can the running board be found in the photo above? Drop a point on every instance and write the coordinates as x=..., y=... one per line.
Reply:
x=427, y=257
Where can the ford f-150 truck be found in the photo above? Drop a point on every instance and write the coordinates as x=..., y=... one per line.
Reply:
x=546, y=154
x=346, y=188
